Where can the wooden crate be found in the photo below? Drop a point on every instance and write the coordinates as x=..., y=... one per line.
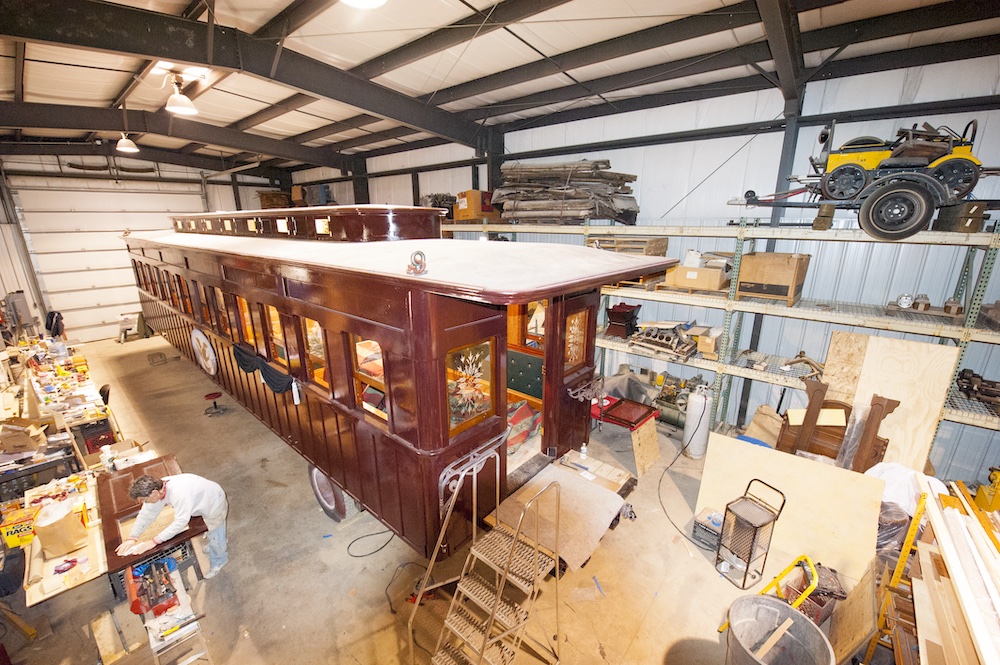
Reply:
x=647, y=245
x=773, y=275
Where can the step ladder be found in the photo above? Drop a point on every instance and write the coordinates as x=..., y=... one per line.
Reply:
x=500, y=580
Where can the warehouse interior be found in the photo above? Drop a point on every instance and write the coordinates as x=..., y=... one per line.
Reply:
x=731, y=156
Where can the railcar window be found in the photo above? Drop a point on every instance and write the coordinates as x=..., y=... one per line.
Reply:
x=469, y=371
x=278, y=350
x=221, y=311
x=183, y=294
x=315, y=351
x=246, y=321
x=206, y=309
x=534, y=324
x=575, y=354
x=369, y=376
x=172, y=289
x=161, y=281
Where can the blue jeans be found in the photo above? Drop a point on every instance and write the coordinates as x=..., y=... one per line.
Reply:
x=217, y=552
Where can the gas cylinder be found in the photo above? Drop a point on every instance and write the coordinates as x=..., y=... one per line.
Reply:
x=696, y=420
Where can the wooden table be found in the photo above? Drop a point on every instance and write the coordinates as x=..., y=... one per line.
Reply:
x=47, y=583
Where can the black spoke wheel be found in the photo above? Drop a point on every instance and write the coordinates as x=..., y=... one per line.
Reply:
x=844, y=182
x=958, y=175
x=333, y=500
x=896, y=211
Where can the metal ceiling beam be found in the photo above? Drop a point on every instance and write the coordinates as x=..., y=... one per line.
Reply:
x=374, y=137
x=293, y=17
x=781, y=26
x=107, y=149
x=499, y=16
x=116, y=28
x=355, y=122
x=926, y=55
x=287, y=105
x=18, y=71
x=88, y=118
x=957, y=12
x=729, y=18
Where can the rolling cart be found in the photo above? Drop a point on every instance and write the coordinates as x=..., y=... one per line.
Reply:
x=746, y=534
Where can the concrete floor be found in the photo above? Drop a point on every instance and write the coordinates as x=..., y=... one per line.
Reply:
x=298, y=588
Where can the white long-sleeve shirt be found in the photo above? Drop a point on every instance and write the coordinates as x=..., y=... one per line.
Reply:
x=189, y=495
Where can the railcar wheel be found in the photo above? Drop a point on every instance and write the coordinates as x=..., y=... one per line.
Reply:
x=333, y=500
x=896, y=211
x=844, y=182
x=958, y=175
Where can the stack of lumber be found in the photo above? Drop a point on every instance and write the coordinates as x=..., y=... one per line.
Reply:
x=565, y=193
x=957, y=602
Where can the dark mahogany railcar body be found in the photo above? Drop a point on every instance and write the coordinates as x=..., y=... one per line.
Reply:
x=388, y=456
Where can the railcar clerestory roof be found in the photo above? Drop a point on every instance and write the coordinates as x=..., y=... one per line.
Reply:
x=500, y=273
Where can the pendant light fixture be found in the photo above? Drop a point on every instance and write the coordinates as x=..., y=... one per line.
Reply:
x=178, y=103
x=125, y=144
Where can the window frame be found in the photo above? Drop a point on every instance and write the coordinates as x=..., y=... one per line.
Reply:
x=454, y=430
x=272, y=346
x=359, y=379
x=307, y=363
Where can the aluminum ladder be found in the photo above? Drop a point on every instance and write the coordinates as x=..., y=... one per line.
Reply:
x=503, y=572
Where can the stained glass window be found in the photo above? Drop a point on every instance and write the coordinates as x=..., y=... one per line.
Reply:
x=470, y=390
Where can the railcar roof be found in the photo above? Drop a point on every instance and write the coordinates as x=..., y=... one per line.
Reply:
x=494, y=272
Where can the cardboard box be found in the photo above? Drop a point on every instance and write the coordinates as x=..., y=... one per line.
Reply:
x=966, y=217
x=699, y=279
x=709, y=342
x=773, y=275
x=475, y=204
x=18, y=527
x=18, y=435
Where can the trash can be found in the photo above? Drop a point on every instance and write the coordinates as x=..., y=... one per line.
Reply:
x=755, y=619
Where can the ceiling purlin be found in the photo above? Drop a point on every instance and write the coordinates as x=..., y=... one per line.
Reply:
x=355, y=122
x=914, y=57
x=117, y=28
x=90, y=118
x=699, y=25
x=847, y=33
x=459, y=32
x=374, y=137
x=781, y=25
x=504, y=14
x=106, y=149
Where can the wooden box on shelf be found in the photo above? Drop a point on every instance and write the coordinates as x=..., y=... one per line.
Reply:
x=773, y=275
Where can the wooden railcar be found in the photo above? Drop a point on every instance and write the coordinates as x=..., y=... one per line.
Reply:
x=384, y=362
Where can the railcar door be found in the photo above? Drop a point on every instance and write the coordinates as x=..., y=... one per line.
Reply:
x=571, y=328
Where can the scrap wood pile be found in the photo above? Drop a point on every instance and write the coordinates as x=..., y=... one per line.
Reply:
x=565, y=193
x=962, y=618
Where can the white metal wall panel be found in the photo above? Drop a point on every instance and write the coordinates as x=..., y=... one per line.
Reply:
x=396, y=189
x=73, y=229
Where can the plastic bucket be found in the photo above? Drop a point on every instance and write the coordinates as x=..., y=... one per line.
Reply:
x=753, y=619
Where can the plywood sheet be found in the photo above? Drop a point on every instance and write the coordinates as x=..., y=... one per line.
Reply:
x=831, y=514
x=645, y=446
x=855, y=619
x=918, y=375
x=843, y=364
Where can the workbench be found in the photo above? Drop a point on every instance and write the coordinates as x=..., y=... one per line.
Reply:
x=41, y=582
x=116, y=507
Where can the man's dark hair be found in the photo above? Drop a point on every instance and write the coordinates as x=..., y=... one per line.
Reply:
x=143, y=486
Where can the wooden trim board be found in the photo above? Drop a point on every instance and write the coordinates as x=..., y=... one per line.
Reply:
x=831, y=514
